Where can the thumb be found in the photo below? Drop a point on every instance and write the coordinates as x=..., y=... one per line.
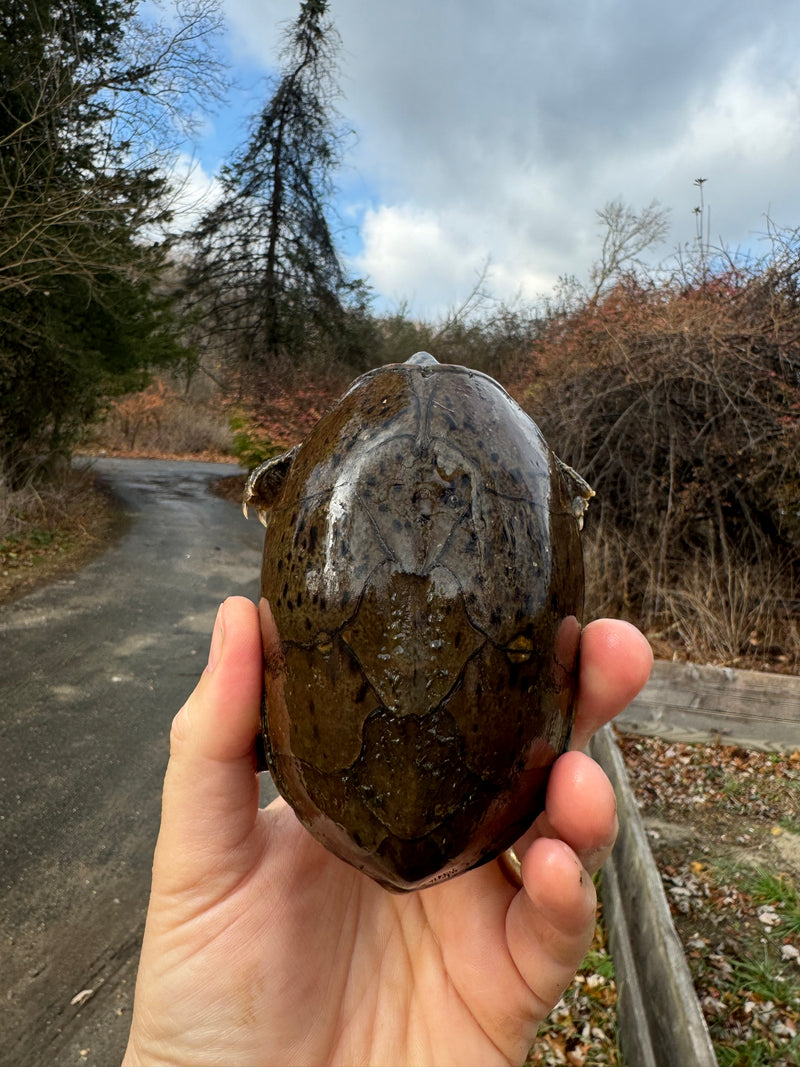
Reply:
x=210, y=799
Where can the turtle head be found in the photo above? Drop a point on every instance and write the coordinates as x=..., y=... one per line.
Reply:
x=423, y=359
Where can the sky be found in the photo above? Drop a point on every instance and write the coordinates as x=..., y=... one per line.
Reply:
x=491, y=131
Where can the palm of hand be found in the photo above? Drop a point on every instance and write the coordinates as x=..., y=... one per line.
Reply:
x=425, y=977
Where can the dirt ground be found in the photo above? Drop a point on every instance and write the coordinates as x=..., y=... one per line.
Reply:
x=85, y=522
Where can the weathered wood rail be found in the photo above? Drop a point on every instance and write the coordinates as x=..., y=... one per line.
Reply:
x=660, y=1021
x=683, y=701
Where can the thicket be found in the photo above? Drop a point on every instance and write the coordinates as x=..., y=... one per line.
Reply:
x=677, y=395
x=679, y=401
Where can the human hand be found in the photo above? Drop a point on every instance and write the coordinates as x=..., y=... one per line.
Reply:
x=261, y=947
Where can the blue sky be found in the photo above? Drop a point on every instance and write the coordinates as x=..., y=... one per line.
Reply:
x=493, y=131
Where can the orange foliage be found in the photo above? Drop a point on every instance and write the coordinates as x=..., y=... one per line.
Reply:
x=134, y=410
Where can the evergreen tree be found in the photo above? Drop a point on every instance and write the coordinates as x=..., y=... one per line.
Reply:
x=266, y=268
x=79, y=252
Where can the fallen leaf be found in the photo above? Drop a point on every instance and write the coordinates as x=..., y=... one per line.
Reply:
x=768, y=916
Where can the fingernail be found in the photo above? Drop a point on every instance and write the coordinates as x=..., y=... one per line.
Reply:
x=217, y=637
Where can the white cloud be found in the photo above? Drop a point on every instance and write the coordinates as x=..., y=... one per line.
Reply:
x=433, y=260
x=195, y=192
x=744, y=119
x=414, y=254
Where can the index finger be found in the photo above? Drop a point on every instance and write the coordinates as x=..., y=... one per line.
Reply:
x=615, y=663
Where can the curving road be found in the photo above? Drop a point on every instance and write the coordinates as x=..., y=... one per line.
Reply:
x=92, y=669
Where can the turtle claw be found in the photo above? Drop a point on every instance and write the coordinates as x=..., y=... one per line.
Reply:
x=261, y=512
x=264, y=484
x=579, y=487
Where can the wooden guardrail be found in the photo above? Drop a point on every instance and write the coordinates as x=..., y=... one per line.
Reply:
x=660, y=1020
x=686, y=702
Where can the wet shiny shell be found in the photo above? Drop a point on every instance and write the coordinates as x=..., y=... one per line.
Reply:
x=423, y=564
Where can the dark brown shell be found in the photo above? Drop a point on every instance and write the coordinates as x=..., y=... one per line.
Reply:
x=423, y=564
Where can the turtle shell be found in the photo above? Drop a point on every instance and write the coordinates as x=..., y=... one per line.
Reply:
x=423, y=565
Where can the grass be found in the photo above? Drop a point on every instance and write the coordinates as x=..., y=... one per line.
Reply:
x=779, y=891
x=732, y=786
x=758, y=1052
x=750, y=994
x=762, y=979
x=598, y=961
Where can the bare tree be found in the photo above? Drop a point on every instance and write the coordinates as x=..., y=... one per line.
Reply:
x=627, y=235
x=85, y=130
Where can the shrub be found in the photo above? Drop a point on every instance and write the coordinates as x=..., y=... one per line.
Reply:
x=160, y=419
x=680, y=404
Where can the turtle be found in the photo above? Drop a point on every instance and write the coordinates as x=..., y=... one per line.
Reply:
x=423, y=564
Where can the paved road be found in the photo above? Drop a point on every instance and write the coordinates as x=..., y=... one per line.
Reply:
x=92, y=669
